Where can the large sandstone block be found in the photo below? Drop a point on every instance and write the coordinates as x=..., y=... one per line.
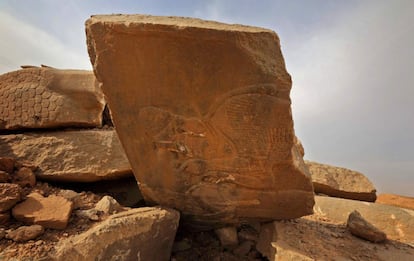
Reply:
x=73, y=156
x=341, y=182
x=137, y=234
x=44, y=97
x=203, y=112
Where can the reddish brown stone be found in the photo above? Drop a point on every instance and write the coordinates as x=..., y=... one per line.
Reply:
x=203, y=112
x=24, y=177
x=4, y=176
x=4, y=217
x=10, y=194
x=7, y=164
x=25, y=233
x=50, y=212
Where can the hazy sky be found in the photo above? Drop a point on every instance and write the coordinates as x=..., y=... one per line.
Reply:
x=352, y=64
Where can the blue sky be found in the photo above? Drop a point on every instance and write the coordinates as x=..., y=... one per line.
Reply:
x=352, y=64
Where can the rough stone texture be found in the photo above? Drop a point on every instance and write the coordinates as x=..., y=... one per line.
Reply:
x=108, y=205
x=203, y=112
x=77, y=156
x=7, y=164
x=25, y=233
x=359, y=227
x=396, y=200
x=305, y=239
x=299, y=146
x=341, y=182
x=227, y=236
x=48, y=98
x=10, y=195
x=4, y=176
x=51, y=212
x=4, y=217
x=24, y=177
x=2, y=233
x=396, y=223
x=137, y=234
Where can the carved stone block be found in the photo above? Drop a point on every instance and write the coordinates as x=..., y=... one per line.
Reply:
x=44, y=97
x=203, y=112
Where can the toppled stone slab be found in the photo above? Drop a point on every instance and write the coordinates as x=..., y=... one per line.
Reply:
x=10, y=194
x=341, y=182
x=51, y=212
x=71, y=156
x=213, y=137
x=43, y=97
x=359, y=227
x=25, y=233
x=396, y=223
x=137, y=234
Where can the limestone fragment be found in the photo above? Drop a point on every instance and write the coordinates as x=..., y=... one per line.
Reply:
x=50, y=212
x=203, y=112
x=359, y=227
x=25, y=233
x=44, y=97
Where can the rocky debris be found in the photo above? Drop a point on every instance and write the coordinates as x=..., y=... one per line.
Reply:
x=221, y=155
x=25, y=233
x=341, y=182
x=316, y=237
x=244, y=248
x=24, y=177
x=7, y=164
x=4, y=217
x=4, y=176
x=359, y=227
x=396, y=200
x=71, y=196
x=44, y=97
x=91, y=214
x=396, y=223
x=10, y=195
x=71, y=156
x=227, y=236
x=109, y=205
x=50, y=212
x=143, y=234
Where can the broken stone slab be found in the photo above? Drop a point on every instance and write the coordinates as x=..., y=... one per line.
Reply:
x=25, y=233
x=136, y=234
x=50, y=212
x=43, y=97
x=213, y=137
x=341, y=182
x=359, y=227
x=10, y=194
x=70, y=156
x=396, y=223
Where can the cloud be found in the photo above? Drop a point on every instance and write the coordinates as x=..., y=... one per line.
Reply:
x=27, y=44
